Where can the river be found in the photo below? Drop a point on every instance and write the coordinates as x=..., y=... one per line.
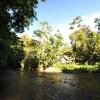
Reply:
x=25, y=85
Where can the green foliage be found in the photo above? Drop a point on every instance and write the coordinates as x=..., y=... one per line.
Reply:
x=74, y=68
x=31, y=62
x=97, y=21
x=50, y=45
x=15, y=15
x=85, y=43
x=76, y=21
x=31, y=49
x=11, y=52
x=47, y=48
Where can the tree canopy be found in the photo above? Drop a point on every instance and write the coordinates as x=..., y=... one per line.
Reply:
x=15, y=15
x=86, y=44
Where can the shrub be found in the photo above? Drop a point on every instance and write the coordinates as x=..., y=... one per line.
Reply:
x=74, y=68
x=31, y=62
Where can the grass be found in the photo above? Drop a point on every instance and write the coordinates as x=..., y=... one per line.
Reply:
x=76, y=68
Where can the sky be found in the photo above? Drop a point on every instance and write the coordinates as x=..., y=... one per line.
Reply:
x=60, y=12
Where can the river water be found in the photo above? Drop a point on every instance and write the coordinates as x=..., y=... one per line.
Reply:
x=24, y=85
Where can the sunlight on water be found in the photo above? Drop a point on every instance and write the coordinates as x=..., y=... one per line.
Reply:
x=24, y=85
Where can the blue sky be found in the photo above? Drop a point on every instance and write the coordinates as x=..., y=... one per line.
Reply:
x=60, y=12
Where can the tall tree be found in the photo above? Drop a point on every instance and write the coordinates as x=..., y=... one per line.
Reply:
x=51, y=44
x=32, y=50
x=86, y=45
x=15, y=15
x=79, y=43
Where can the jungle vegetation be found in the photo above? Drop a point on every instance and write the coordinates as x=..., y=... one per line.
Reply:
x=46, y=47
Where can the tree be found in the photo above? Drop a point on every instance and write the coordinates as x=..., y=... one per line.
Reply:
x=11, y=52
x=15, y=15
x=50, y=44
x=31, y=49
x=78, y=41
x=85, y=44
x=93, y=47
x=97, y=21
x=53, y=49
x=76, y=22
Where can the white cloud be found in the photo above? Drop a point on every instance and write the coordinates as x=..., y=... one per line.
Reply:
x=64, y=27
x=87, y=20
x=65, y=31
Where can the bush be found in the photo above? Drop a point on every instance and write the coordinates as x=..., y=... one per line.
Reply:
x=31, y=62
x=74, y=68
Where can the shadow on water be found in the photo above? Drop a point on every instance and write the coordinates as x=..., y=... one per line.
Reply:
x=24, y=85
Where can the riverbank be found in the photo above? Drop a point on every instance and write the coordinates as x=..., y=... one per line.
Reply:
x=71, y=68
x=77, y=68
x=50, y=70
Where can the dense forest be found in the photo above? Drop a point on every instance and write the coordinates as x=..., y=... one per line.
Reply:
x=14, y=17
x=45, y=48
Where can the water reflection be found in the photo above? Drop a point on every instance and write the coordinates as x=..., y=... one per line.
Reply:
x=24, y=85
